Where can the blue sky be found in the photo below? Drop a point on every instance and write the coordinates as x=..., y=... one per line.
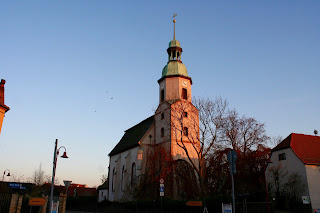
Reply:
x=85, y=71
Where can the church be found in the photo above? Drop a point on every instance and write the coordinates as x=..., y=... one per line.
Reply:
x=164, y=148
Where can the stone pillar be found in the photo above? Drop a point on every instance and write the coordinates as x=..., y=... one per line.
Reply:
x=15, y=204
x=62, y=203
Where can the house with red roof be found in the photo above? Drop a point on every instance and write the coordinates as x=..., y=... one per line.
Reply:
x=299, y=154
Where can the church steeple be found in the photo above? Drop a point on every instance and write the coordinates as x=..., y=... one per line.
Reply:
x=175, y=82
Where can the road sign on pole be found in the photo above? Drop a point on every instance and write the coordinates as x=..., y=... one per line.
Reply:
x=161, y=187
x=232, y=157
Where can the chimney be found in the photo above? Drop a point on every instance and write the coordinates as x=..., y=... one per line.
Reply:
x=2, y=83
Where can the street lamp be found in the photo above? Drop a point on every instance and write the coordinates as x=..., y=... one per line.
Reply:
x=265, y=179
x=56, y=153
x=5, y=173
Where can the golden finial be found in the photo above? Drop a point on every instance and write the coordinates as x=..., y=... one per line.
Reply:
x=174, y=25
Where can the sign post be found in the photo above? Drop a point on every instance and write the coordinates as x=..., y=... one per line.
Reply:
x=161, y=191
x=232, y=157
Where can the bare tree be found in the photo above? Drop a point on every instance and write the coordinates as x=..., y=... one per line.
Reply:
x=208, y=126
x=104, y=178
x=243, y=133
x=38, y=177
x=197, y=129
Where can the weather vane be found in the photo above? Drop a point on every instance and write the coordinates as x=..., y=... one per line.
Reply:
x=174, y=25
x=174, y=15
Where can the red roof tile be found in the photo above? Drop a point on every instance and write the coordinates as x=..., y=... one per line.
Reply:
x=306, y=147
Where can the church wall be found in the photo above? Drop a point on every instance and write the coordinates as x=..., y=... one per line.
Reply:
x=136, y=155
x=162, y=123
x=126, y=159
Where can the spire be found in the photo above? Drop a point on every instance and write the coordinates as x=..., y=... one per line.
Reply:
x=174, y=66
x=174, y=25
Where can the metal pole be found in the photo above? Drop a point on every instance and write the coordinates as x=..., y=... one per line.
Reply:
x=265, y=179
x=53, y=175
x=233, y=202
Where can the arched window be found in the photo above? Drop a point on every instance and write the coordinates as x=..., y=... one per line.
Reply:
x=184, y=93
x=113, y=178
x=185, y=131
x=122, y=178
x=162, y=132
x=133, y=173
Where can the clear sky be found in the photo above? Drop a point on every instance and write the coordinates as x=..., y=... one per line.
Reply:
x=85, y=71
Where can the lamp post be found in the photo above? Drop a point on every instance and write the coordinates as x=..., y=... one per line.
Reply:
x=5, y=173
x=56, y=153
x=265, y=180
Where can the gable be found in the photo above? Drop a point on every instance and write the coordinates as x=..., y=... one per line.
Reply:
x=306, y=147
x=132, y=136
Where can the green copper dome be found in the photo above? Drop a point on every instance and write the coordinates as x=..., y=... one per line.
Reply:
x=174, y=68
x=174, y=43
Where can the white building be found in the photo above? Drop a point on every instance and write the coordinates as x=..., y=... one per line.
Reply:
x=300, y=154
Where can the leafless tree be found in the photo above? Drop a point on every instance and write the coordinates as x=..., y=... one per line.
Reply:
x=243, y=133
x=207, y=126
x=38, y=177
x=197, y=129
x=104, y=178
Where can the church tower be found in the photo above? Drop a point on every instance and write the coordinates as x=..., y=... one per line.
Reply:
x=3, y=107
x=176, y=119
x=175, y=83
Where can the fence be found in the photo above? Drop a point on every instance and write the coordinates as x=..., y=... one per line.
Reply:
x=5, y=202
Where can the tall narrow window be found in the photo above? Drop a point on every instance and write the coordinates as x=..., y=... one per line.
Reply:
x=122, y=178
x=162, y=96
x=133, y=173
x=184, y=93
x=162, y=132
x=185, y=114
x=113, y=177
x=162, y=116
x=185, y=131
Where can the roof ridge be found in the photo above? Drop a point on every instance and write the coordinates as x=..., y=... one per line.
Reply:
x=139, y=123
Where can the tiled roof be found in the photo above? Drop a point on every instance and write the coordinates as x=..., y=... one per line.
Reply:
x=132, y=136
x=306, y=147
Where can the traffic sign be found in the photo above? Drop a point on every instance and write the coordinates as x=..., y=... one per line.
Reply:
x=161, y=189
x=37, y=201
x=232, y=156
x=161, y=180
x=161, y=194
x=161, y=185
x=194, y=203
